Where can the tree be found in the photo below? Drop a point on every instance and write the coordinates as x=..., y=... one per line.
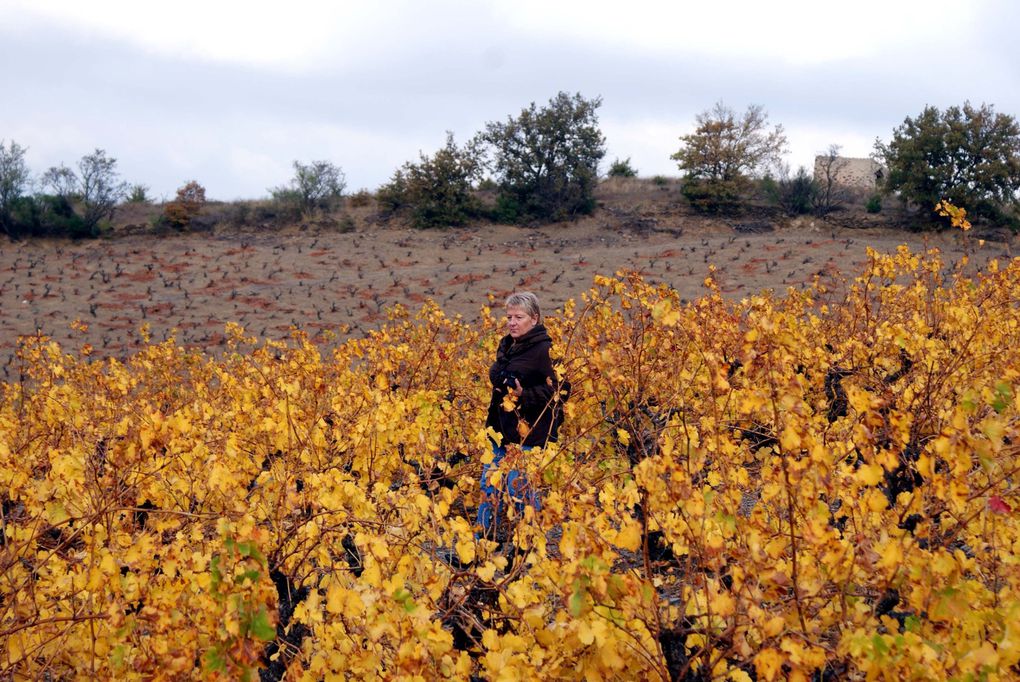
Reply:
x=621, y=169
x=725, y=152
x=830, y=195
x=61, y=181
x=189, y=202
x=317, y=185
x=970, y=156
x=546, y=160
x=14, y=178
x=96, y=189
x=437, y=191
x=100, y=188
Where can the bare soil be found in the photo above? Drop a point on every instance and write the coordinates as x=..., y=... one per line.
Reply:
x=322, y=280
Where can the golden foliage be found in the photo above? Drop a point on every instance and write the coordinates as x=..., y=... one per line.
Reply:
x=761, y=489
x=186, y=206
x=956, y=214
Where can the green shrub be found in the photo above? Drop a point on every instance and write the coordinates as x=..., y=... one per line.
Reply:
x=318, y=185
x=286, y=206
x=711, y=196
x=795, y=195
x=286, y=197
x=660, y=180
x=622, y=169
x=47, y=215
x=139, y=194
x=874, y=204
x=507, y=210
x=436, y=191
x=1004, y=217
x=392, y=196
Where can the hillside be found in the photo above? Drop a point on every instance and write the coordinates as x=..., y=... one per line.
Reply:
x=335, y=283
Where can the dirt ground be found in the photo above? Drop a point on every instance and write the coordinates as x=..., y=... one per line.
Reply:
x=325, y=280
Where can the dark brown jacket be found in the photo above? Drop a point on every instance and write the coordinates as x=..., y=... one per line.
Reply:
x=540, y=405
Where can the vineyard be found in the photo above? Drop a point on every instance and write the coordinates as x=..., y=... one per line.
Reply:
x=819, y=485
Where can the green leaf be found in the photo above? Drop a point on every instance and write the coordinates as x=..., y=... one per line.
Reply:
x=615, y=616
x=1003, y=396
x=214, y=570
x=404, y=598
x=249, y=549
x=214, y=660
x=577, y=603
x=251, y=575
x=617, y=588
x=261, y=627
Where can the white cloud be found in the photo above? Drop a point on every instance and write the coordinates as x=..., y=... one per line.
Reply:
x=795, y=31
x=288, y=35
x=307, y=34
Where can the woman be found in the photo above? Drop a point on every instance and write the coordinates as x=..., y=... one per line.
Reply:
x=524, y=369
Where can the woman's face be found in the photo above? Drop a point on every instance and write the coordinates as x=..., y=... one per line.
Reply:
x=518, y=322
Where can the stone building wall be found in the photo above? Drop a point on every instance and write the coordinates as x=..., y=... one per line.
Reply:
x=850, y=172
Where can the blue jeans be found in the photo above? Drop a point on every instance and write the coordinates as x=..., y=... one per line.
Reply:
x=514, y=483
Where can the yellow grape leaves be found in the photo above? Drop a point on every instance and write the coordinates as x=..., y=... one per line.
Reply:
x=785, y=487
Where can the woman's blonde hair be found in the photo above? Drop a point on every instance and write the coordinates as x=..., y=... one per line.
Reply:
x=526, y=300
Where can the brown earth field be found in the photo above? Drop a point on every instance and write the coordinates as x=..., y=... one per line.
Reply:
x=324, y=281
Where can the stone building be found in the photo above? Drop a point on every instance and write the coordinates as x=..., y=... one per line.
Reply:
x=851, y=173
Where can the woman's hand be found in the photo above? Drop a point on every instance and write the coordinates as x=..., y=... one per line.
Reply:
x=518, y=389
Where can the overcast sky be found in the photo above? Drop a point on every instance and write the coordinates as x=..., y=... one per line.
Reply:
x=231, y=93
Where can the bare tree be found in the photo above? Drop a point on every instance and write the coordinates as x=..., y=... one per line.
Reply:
x=832, y=192
x=60, y=181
